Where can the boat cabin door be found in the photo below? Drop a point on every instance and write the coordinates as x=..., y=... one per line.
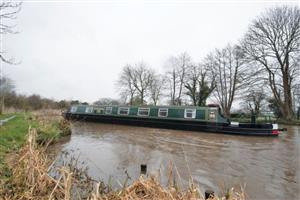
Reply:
x=212, y=115
x=99, y=110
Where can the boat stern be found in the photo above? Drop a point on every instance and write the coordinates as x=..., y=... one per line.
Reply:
x=275, y=129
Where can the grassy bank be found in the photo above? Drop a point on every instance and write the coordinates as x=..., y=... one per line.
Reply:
x=263, y=120
x=12, y=135
x=295, y=122
x=50, y=127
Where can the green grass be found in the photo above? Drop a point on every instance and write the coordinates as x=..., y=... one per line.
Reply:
x=290, y=122
x=12, y=136
x=12, y=133
x=4, y=116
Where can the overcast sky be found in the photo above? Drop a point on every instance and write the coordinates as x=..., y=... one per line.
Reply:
x=76, y=49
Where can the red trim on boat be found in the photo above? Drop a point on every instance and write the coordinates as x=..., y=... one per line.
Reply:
x=275, y=132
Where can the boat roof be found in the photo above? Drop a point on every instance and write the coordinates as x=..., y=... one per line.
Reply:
x=150, y=106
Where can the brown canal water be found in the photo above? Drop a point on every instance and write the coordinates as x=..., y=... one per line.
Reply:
x=268, y=168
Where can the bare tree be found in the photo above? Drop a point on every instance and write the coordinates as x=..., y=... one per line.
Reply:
x=198, y=85
x=254, y=99
x=173, y=81
x=6, y=87
x=273, y=41
x=177, y=75
x=135, y=80
x=296, y=97
x=142, y=79
x=226, y=66
x=8, y=13
x=156, y=88
x=106, y=101
x=125, y=83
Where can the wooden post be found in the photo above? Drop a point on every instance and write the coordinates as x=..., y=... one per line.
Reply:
x=209, y=194
x=143, y=169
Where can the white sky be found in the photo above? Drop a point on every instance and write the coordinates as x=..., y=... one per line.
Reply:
x=76, y=49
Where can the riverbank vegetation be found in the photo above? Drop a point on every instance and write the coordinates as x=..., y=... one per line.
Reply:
x=49, y=124
x=267, y=120
x=12, y=136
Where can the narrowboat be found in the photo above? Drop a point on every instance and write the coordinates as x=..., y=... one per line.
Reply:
x=204, y=119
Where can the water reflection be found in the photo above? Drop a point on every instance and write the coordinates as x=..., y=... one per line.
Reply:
x=269, y=167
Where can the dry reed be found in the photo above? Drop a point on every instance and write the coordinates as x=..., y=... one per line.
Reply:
x=150, y=189
x=30, y=178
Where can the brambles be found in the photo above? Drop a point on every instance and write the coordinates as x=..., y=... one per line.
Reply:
x=65, y=127
x=50, y=126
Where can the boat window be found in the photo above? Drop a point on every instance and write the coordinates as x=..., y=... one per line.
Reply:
x=212, y=116
x=143, y=111
x=163, y=112
x=108, y=110
x=73, y=109
x=89, y=109
x=123, y=111
x=190, y=113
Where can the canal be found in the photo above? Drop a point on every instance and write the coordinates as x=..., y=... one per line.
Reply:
x=268, y=168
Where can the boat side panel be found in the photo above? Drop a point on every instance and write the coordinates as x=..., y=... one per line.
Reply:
x=81, y=109
x=133, y=111
x=153, y=112
x=176, y=113
x=201, y=114
x=221, y=119
x=115, y=110
x=173, y=112
x=172, y=124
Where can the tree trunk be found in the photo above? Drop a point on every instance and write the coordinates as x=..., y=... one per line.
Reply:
x=142, y=97
x=173, y=87
x=226, y=112
x=2, y=106
x=131, y=99
x=287, y=106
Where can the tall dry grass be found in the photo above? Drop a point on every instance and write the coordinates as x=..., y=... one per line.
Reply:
x=30, y=178
x=150, y=189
